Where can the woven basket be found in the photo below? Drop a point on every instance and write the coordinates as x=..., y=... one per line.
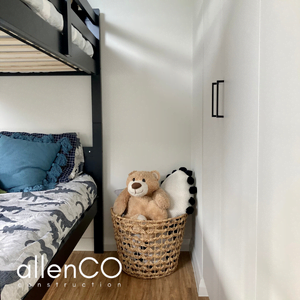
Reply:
x=148, y=249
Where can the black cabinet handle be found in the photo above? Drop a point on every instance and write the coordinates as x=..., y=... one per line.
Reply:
x=218, y=82
x=213, y=97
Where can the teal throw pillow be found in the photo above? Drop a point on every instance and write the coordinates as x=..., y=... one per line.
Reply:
x=24, y=164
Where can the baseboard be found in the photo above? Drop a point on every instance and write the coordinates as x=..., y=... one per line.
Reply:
x=110, y=244
x=201, y=287
x=87, y=244
x=185, y=245
x=202, y=291
x=196, y=268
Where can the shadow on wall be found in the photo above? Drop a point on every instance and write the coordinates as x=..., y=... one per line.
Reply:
x=146, y=70
x=136, y=46
x=146, y=86
x=159, y=65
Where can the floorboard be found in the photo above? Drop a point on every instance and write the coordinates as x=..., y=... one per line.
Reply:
x=177, y=286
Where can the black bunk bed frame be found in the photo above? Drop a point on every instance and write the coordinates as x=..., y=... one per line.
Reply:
x=19, y=21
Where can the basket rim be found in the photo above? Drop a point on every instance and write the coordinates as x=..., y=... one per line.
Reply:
x=148, y=221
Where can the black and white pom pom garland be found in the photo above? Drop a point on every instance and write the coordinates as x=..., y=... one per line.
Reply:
x=179, y=186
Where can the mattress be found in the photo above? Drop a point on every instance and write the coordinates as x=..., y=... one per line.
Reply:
x=34, y=224
x=47, y=11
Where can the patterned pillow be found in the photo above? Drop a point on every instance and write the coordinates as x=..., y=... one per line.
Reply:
x=75, y=158
x=179, y=185
x=78, y=161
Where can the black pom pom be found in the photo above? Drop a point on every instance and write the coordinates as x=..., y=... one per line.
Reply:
x=174, y=171
x=192, y=201
x=167, y=175
x=193, y=190
x=162, y=182
x=183, y=169
x=190, y=180
x=189, y=210
x=189, y=173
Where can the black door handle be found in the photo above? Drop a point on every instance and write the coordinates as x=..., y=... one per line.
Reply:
x=213, y=98
x=218, y=82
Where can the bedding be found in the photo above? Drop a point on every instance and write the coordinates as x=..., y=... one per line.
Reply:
x=93, y=28
x=24, y=164
x=35, y=223
x=75, y=158
x=47, y=11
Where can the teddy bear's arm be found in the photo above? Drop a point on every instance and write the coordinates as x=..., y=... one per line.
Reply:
x=161, y=198
x=121, y=202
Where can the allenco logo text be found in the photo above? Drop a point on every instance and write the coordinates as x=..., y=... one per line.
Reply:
x=54, y=270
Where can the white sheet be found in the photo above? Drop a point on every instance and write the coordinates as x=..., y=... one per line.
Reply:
x=48, y=12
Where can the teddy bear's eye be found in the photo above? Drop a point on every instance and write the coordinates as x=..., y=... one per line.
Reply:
x=133, y=179
x=144, y=180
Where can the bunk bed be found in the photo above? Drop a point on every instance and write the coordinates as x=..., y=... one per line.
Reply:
x=30, y=46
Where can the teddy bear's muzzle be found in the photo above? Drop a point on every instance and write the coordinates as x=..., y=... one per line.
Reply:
x=136, y=185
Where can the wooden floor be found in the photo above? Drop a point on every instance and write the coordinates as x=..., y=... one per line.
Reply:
x=177, y=286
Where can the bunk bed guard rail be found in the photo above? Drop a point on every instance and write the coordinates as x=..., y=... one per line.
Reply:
x=18, y=20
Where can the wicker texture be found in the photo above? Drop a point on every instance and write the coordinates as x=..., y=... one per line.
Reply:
x=148, y=249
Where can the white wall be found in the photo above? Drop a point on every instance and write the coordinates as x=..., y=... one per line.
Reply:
x=47, y=104
x=146, y=88
x=146, y=81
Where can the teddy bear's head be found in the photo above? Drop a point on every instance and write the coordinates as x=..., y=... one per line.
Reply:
x=142, y=183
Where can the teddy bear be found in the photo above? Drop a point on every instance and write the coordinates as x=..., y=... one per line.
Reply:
x=143, y=198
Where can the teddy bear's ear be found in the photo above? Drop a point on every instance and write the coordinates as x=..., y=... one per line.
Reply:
x=131, y=173
x=156, y=174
